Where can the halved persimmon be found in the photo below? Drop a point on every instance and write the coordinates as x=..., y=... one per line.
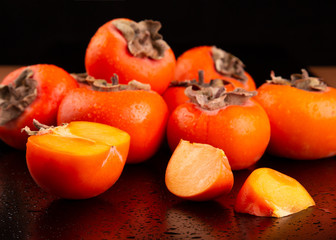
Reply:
x=267, y=192
x=78, y=160
x=198, y=172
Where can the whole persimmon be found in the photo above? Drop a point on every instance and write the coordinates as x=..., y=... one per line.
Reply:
x=132, y=50
x=302, y=113
x=175, y=96
x=133, y=108
x=216, y=64
x=27, y=93
x=231, y=121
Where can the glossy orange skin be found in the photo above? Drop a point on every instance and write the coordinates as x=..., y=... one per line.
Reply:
x=74, y=176
x=242, y=132
x=250, y=202
x=199, y=58
x=174, y=96
x=303, y=123
x=107, y=54
x=142, y=114
x=53, y=84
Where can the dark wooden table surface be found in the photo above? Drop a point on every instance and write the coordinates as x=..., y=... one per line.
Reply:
x=139, y=206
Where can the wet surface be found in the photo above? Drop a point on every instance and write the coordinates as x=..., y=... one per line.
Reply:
x=139, y=206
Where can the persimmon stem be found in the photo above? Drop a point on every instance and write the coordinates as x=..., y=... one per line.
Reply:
x=201, y=77
x=115, y=79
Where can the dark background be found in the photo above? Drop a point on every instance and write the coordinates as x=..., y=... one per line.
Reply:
x=283, y=36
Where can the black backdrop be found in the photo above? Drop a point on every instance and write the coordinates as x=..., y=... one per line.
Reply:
x=283, y=36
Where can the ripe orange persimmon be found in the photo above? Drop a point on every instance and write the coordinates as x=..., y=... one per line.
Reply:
x=78, y=160
x=175, y=96
x=302, y=114
x=267, y=192
x=132, y=51
x=27, y=93
x=140, y=112
x=216, y=64
x=227, y=120
x=198, y=172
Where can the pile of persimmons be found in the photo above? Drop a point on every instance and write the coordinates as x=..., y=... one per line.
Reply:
x=79, y=130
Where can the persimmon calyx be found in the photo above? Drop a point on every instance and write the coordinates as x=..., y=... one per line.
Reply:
x=62, y=130
x=103, y=86
x=17, y=96
x=42, y=128
x=143, y=39
x=213, y=82
x=301, y=81
x=212, y=97
x=228, y=64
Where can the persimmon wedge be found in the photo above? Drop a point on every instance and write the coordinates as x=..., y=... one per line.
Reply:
x=267, y=192
x=198, y=172
x=78, y=160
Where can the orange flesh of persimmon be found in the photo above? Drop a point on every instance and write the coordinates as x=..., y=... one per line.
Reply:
x=198, y=172
x=268, y=192
x=70, y=145
x=82, y=138
x=108, y=135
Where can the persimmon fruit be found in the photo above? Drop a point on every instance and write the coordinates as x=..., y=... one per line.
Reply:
x=133, y=51
x=231, y=121
x=78, y=160
x=198, y=172
x=216, y=64
x=267, y=192
x=133, y=108
x=27, y=93
x=302, y=113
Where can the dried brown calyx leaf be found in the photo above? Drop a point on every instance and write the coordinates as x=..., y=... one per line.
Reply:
x=17, y=96
x=305, y=82
x=278, y=80
x=143, y=39
x=212, y=98
x=102, y=85
x=301, y=81
x=83, y=78
x=228, y=64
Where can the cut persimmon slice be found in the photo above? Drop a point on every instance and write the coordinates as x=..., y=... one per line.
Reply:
x=78, y=160
x=267, y=192
x=198, y=172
